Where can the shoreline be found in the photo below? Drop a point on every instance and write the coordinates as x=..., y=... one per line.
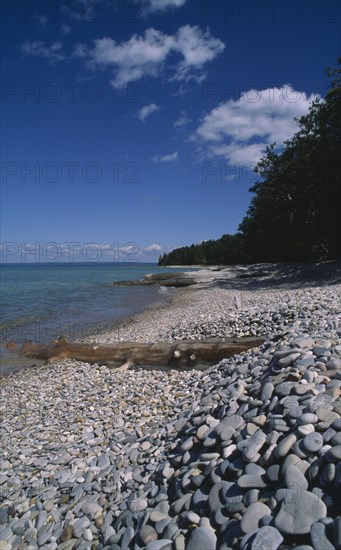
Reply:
x=178, y=304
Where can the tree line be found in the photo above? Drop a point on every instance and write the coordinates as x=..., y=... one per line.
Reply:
x=294, y=214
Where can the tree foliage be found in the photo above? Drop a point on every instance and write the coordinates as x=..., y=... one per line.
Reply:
x=295, y=211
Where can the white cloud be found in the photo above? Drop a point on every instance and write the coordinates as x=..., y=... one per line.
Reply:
x=197, y=49
x=147, y=110
x=145, y=55
x=160, y=5
x=166, y=158
x=240, y=130
x=153, y=248
x=37, y=48
x=182, y=120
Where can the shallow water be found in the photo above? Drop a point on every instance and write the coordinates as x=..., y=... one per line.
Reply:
x=40, y=302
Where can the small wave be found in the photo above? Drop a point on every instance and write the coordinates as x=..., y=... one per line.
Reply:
x=163, y=290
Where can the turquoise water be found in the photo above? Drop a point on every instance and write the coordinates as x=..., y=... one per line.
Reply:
x=40, y=302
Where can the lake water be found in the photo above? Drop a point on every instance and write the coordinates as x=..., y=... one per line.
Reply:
x=41, y=302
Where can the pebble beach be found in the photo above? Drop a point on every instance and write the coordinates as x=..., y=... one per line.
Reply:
x=245, y=454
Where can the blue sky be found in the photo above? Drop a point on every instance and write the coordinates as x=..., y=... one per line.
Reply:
x=135, y=125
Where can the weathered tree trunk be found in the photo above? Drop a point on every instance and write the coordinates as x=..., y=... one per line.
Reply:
x=182, y=353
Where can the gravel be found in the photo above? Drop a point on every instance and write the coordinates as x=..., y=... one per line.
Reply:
x=244, y=454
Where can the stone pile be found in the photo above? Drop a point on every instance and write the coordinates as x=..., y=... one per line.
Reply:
x=259, y=460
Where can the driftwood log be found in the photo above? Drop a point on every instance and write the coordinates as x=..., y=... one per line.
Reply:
x=182, y=353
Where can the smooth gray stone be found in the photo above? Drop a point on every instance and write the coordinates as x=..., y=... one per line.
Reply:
x=179, y=424
x=251, y=446
x=320, y=350
x=44, y=533
x=179, y=504
x=254, y=469
x=267, y=391
x=128, y=536
x=273, y=473
x=328, y=434
x=312, y=442
x=92, y=509
x=334, y=454
x=266, y=520
x=319, y=538
x=251, y=481
x=231, y=492
x=285, y=445
x=235, y=421
x=103, y=462
x=221, y=516
x=187, y=444
x=160, y=526
x=209, y=441
x=108, y=532
x=179, y=543
x=193, y=518
x=29, y=536
x=197, y=480
x=215, y=497
x=302, y=389
x=202, y=538
x=81, y=523
x=297, y=514
x=18, y=527
x=236, y=506
x=201, y=431
x=209, y=456
x=295, y=411
x=295, y=479
x=337, y=532
x=250, y=497
x=336, y=439
x=336, y=425
x=41, y=519
x=289, y=359
x=316, y=467
x=199, y=498
x=307, y=418
x=171, y=531
x=3, y=517
x=227, y=433
x=333, y=384
x=284, y=389
x=333, y=364
x=328, y=474
x=156, y=516
x=137, y=505
x=304, y=342
x=164, y=544
x=267, y=538
x=308, y=375
x=252, y=516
